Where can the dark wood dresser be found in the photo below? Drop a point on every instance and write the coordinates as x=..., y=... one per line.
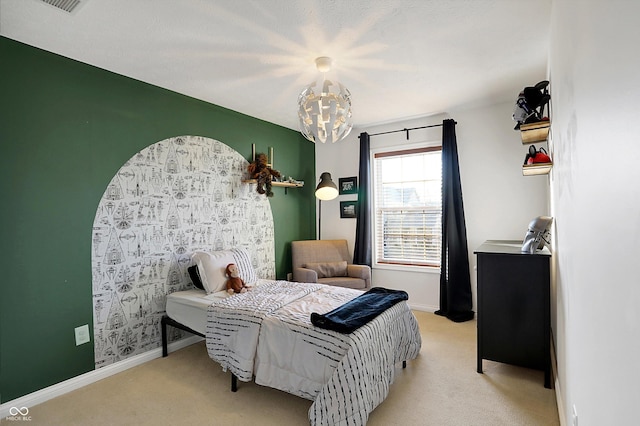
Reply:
x=513, y=306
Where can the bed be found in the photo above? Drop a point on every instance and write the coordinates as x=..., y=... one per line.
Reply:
x=266, y=335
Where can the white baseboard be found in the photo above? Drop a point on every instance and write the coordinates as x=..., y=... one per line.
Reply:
x=556, y=382
x=77, y=382
x=423, y=308
x=560, y=403
x=427, y=308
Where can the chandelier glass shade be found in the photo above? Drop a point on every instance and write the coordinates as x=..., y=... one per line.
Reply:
x=324, y=109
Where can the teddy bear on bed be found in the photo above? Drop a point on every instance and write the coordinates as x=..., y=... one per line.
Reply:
x=234, y=282
x=263, y=174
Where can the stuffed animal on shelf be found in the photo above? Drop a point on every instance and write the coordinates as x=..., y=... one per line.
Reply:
x=263, y=174
x=234, y=282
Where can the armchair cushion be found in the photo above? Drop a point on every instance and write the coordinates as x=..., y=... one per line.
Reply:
x=348, y=282
x=328, y=269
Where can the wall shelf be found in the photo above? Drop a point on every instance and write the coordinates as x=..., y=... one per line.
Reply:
x=536, y=169
x=534, y=132
x=280, y=184
x=285, y=185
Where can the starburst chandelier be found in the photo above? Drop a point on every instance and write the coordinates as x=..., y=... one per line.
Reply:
x=324, y=108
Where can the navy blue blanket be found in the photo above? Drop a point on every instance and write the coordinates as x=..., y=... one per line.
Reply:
x=359, y=311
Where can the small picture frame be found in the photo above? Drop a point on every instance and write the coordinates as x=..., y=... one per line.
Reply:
x=348, y=209
x=348, y=185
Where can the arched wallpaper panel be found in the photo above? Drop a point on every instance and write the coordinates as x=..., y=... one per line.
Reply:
x=172, y=198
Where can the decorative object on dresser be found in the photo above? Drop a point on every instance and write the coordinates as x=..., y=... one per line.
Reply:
x=328, y=262
x=513, y=306
x=537, y=234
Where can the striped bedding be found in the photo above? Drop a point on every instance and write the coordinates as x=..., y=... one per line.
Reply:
x=267, y=334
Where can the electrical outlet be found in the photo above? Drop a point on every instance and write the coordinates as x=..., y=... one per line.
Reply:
x=574, y=416
x=82, y=334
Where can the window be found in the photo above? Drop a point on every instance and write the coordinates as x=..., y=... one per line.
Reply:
x=408, y=206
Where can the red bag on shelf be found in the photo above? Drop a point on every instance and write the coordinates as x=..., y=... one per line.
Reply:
x=537, y=156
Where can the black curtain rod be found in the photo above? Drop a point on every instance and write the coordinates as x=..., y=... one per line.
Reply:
x=407, y=130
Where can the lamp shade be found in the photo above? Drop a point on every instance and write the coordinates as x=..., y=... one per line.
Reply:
x=326, y=189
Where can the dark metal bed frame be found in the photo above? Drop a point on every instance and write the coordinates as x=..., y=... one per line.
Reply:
x=168, y=321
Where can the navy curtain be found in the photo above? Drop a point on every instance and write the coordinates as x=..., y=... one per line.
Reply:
x=455, y=282
x=362, y=249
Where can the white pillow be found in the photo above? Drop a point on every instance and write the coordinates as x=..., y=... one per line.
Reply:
x=212, y=268
x=245, y=267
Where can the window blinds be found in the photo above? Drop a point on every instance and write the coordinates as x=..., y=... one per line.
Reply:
x=408, y=206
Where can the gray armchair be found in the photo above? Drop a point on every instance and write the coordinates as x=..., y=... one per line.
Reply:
x=328, y=262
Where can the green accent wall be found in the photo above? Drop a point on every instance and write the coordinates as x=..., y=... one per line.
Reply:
x=65, y=130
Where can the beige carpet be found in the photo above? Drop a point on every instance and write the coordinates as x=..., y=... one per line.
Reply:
x=441, y=387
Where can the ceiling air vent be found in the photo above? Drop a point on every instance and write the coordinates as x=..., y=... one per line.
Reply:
x=69, y=6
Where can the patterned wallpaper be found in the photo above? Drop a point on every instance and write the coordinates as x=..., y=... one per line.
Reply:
x=174, y=197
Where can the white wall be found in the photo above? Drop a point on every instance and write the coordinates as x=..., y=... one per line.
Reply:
x=499, y=202
x=595, y=187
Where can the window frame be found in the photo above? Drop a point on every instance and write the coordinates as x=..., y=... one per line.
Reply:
x=388, y=151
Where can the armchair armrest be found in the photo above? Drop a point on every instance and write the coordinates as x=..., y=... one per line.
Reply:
x=362, y=272
x=359, y=271
x=304, y=275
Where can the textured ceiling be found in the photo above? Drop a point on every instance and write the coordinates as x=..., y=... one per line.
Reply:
x=399, y=59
